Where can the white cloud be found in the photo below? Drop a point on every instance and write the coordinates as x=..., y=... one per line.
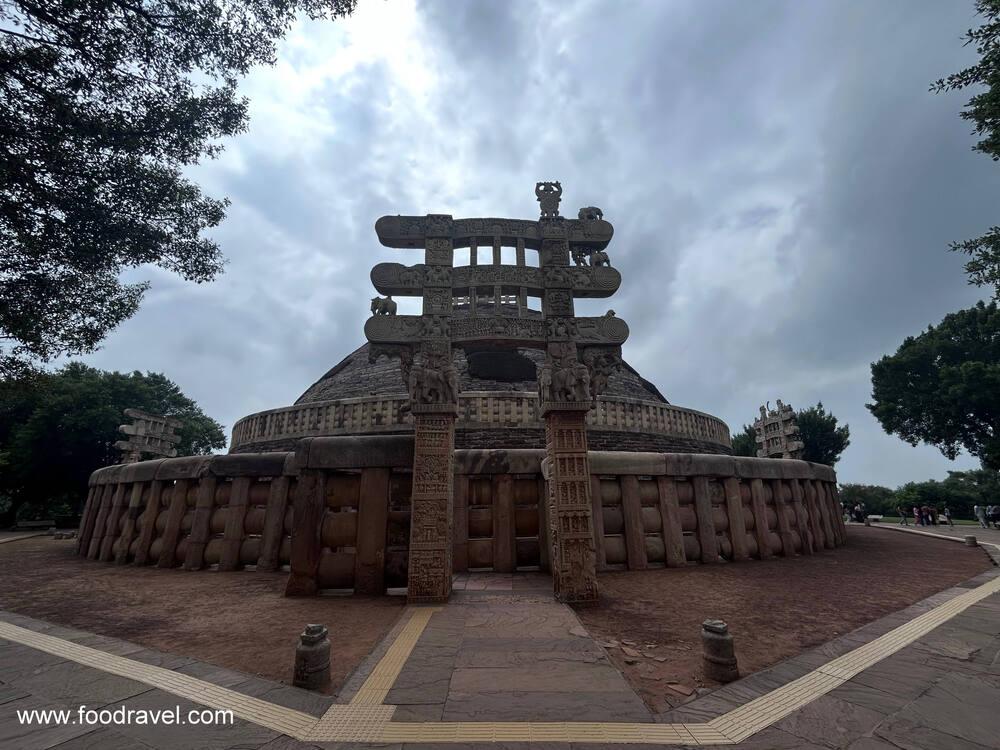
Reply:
x=781, y=182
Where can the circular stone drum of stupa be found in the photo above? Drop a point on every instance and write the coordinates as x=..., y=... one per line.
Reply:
x=498, y=408
x=343, y=492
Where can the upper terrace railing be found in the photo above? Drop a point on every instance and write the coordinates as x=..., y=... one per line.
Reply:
x=385, y=414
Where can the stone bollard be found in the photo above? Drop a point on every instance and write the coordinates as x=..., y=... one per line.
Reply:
x=718, y=655
x=970, y=541
x=312, y=658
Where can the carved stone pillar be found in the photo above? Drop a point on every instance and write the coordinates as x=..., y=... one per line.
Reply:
x=430, y=564
x=574, y=567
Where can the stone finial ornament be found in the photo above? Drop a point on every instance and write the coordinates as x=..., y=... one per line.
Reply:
x=590, y=213
x=549, y=195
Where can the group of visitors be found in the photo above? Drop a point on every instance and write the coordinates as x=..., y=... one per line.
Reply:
x=924, y=515
x=987, y=514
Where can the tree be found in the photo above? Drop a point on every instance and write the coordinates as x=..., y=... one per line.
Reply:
x=103, y=104
x=745, y=443
x=943, y=386
x=874, y=498
x=824, y=440
x=57, y=428
x=983, y=110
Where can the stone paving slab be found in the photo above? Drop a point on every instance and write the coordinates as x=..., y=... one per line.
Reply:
x=939, y=691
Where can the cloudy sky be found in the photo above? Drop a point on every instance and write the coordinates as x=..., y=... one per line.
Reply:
x=781, y=183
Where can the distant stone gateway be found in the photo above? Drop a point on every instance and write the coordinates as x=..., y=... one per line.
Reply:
x=497, y=430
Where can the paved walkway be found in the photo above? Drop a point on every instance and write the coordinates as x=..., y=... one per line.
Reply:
x=989, y=536
x=503, y=662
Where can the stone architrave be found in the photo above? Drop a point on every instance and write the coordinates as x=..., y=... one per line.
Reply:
x=777, y=434
x=148, y=433
x=581, y=354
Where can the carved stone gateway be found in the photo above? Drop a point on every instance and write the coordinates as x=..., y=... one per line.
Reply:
x=581, y=354
x=777, y=434
x=151, y=434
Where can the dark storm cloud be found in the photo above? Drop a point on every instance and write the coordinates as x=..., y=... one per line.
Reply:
x=781, y=182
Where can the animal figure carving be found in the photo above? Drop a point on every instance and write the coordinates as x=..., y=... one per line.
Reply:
x=386, y=306
x=599, y=258
x=590, y=213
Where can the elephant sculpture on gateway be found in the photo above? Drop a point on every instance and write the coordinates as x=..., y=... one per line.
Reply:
x=583, y=257
x=383, y=306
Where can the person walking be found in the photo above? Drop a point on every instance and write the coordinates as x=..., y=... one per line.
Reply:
x=947, y=516
x=980, y=512
x=994, y=515
x=903, y=520
x=916, y=516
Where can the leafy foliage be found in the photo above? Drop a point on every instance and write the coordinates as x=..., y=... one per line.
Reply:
x=824, y=440
x=874, y=498
x=57, y=428
x=960, y=492
x=983, y=110
x=745, y=442
x=943, y=386
x=103, y=103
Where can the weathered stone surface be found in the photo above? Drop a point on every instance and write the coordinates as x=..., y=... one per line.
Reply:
x=248, y=465
x=498, y=461
x=356, y=452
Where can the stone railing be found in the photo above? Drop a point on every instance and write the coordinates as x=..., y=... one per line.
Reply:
x=386, y=414
x=337, y=511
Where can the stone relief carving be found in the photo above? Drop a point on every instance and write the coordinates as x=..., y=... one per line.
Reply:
x=562, y=328
x=405, y=329
x=398, y=275
x=437, y=275
x=432, y=379
x=438, y=225
x=559, y=276
x=405, y=231
x=393, y=328
x=434, y=327
x=590, y=213
x=563, y=378
x=579, y=256
x=383, y=306
x=602, y=364
x=394, y=351
x=497, y=327
x=558, y=302
x=484, y=275
x=599, y=258
x=549, y=195
x=437, y=300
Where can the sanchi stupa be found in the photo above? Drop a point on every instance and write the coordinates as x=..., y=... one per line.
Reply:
x=495, y=431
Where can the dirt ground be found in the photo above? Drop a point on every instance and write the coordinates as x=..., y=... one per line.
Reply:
x=236, y=620
x=775, y=609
